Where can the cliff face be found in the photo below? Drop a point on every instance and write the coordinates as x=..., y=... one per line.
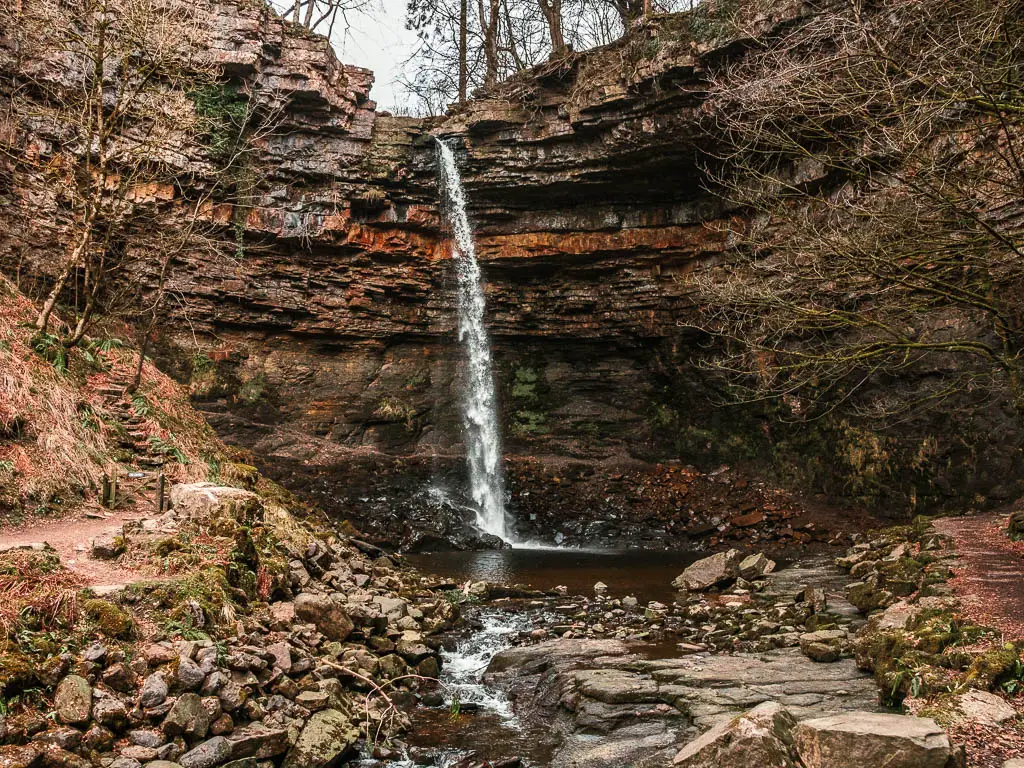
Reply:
x=333, y=327
x=326, y=323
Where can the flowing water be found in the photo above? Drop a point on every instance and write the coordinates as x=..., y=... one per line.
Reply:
x=480, y=403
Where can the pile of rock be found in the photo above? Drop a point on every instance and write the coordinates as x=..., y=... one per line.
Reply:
x=723, y=569
x=889, y=568
x=296, y=685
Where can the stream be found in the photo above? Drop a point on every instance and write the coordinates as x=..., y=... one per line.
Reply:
x=518, y=723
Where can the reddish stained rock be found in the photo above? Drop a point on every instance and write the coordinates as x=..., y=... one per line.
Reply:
x=745, y=521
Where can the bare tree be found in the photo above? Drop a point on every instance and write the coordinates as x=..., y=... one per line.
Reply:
x=876, y=152
x=119, y=112
x=319, y=15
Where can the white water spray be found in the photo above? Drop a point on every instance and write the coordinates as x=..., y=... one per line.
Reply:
x=480, y=403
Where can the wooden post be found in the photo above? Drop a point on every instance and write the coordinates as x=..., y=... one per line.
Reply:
x=160, y=483
x=113, y=487
x=104, y=490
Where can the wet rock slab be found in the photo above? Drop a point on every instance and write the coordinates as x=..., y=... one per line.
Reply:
x=611, y=705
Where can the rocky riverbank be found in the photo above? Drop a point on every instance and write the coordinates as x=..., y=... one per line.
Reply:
x=269, y=641
x=870, y=654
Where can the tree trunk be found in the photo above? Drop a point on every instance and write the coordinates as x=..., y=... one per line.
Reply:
x=43, y=319
x=552, y=10
x=463, y=50
x=489, y=25
x=308, y=23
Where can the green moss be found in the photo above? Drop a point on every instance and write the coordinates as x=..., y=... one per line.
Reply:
x=17, y=671
x=111, y=619
x=526, y=395
x=994, y=667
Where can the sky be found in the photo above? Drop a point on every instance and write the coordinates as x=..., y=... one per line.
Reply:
x=377, y=39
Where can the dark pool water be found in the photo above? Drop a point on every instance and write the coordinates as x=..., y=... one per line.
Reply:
x=647, y=575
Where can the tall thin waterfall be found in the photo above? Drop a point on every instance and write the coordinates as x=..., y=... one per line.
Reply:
x=480, y=403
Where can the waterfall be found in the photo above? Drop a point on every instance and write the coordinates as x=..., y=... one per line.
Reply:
x=480, y=403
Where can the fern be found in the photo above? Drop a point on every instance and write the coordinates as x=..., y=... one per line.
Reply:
x=168, y=448
x=50, y=348
x=142, y=406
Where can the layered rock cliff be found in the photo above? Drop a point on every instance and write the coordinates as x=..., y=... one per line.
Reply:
x=325, y=323
x=335, y=319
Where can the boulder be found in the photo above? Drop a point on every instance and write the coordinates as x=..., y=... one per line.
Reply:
x=110, y=711
x=858, y=739
x=258, y=741
x=1017, y=762
x=985, y=708
x=324, y=740
x=326, y=613
x=755, y=566
x=207, y=501
x=394, y=608
x=710, y=571
x=188, y=717
x=20, y=757
x=189, y=674
x=108, y=546
x=73, y=700
x=760, y=737
x=824, y=646
x=208, y=754
x=154, y=691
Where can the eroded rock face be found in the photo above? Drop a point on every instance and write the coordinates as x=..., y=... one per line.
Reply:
x=646, y=711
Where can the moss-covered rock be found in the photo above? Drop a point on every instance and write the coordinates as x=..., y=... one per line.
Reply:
x=111, y=619
x=993, y=667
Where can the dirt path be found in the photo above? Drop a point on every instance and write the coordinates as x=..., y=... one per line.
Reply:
x=72, y=537
x=989, y=577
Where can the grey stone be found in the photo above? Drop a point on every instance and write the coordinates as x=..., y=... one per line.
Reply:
x=755, y=566
x=394, y=608
x=125, y=762
x=985, y=708
x=95, y=653
x=188, y=717
x=73, y=700
x=857, y=739
x=326, y=614
x=258, y=741
x=65, y=738
x=823, y=646
x=326, y=737
x=110, y=711
x=189, y=675
x=759, y=738
x=708, y=572
x=142, y=754
x=108, y=546
x=146, y=737
x=208, y=500
x=213, y=752
x=154, y=691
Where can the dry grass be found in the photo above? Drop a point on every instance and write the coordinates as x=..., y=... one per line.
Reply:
x=35, y=586
x=59, y=434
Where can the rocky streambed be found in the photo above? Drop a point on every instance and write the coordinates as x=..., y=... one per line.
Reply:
x=631, y=672
x=823, y=663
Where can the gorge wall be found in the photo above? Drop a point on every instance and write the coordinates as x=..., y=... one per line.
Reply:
x=323, y=330
x=331, y=327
